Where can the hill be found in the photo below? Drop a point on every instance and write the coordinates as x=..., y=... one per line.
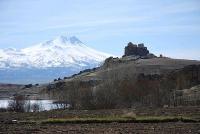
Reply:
x=130, y=81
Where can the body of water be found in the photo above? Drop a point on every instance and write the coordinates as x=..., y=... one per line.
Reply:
x=35, y=105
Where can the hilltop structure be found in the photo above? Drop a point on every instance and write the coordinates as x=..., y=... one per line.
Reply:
x=137, y=50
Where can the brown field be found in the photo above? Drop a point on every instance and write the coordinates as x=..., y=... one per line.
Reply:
x=148, y=121
x=116, y=128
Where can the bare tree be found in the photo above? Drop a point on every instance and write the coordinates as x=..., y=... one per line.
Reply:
x=18, y=103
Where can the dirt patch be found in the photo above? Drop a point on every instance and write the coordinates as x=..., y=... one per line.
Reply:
x=117, y=128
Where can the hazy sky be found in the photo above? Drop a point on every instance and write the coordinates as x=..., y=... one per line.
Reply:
x=170, y=27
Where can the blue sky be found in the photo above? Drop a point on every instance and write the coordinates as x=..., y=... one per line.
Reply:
x=170, y=27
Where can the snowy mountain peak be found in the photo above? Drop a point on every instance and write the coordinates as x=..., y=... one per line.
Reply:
x=62, y=41
x=10, y=50
x=71, y=40
x=40, y=63
x=74, y=40
x=59, y=52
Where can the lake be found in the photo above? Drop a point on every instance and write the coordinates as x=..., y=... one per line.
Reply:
x=41, y=105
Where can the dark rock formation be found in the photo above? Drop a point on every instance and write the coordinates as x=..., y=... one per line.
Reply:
x=109, y=62
x=133, y=52
x=137, y=50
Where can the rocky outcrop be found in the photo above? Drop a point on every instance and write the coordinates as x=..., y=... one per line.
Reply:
x=133, y=52
x=109, y=62
x=137, y=50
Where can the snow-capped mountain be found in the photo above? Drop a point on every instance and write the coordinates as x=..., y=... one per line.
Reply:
x=60, y=52
x=45, y=61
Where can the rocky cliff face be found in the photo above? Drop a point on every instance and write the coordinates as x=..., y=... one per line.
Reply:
x=137, y=50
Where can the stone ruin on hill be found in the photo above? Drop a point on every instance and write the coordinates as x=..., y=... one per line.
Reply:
x=137, y=50
x=132, y=53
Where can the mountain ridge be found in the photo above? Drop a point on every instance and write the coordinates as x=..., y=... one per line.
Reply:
x=60, y=52
x=40, y=63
